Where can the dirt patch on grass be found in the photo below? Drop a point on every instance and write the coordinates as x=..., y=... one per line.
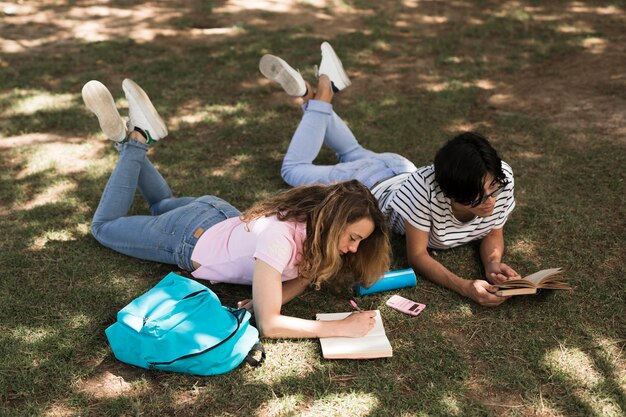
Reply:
x=576, y=92
x=588, y=90
x=106, y=385
x=581, y=89
x=110, y=380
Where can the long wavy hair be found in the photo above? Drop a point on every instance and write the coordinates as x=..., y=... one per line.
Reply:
x=327, y=210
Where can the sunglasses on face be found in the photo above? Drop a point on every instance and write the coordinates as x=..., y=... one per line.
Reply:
x=494, y=194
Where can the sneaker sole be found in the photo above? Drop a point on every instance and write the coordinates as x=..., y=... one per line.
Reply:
x=276, y=69
x=142, y=102
x=328, y=51
x=99, y=100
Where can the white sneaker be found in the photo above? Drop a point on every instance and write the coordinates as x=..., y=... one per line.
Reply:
x=332, y=67
x=276, y=69
x=99, y=100
x=141, y=112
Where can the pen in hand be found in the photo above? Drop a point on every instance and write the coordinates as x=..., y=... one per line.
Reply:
x=354, y=304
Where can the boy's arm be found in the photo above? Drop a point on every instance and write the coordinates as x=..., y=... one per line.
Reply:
x=491, y=252
x=421, y=261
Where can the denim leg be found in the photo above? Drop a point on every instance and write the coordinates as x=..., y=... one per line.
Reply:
x=321, y=125
x=360, y=163
x=298, y=167
x=137, y=236
x=156, y=192
x=119, y=192
x=167, y=238
x=154, y=188
x=342, y=141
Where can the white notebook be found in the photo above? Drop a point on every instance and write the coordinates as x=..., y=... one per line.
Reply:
x=375, y=344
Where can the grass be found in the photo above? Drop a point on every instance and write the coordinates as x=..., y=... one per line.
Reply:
x=552, y=354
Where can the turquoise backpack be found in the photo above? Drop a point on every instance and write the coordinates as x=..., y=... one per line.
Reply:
x=180, y=325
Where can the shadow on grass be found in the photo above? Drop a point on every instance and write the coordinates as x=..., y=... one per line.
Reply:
x=416, y=74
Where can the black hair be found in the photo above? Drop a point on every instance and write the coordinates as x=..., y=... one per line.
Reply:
x=462, y=165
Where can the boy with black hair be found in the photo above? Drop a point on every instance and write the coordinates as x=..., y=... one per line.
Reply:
x=465, y=196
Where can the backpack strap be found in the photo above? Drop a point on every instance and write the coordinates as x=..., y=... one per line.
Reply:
x=238, y=317
x=251, y=360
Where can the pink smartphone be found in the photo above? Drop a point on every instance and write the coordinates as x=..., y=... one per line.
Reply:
x=404, y=305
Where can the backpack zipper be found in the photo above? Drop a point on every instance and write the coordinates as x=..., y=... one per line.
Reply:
x=191, y=355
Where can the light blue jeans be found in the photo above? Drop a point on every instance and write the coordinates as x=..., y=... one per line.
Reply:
x=321, y=125
x=171, y=232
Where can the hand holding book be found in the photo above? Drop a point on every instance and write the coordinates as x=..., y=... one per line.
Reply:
x=547, y=278
x=498, y=272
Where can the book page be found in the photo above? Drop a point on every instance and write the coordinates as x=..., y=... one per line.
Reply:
x=375, y=344
x=538, y=277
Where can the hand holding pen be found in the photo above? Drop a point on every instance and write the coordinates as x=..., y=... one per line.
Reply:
x=355, y=305
x=362, y=320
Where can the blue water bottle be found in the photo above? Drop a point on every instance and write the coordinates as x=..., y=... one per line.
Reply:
x=392, y=280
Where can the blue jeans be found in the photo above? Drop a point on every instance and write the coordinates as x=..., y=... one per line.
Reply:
x=171, y=232
x=321, y=125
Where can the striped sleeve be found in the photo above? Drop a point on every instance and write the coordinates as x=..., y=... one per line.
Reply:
x=412, y=199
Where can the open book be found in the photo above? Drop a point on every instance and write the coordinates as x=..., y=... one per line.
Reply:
x=373, y=345
x=547, y=278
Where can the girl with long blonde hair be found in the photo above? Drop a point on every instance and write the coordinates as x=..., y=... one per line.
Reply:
x=308, y=236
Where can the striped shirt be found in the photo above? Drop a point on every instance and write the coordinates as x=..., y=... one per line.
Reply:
x=419, y=200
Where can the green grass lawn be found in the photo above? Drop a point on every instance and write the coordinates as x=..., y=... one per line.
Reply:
x=421, y=71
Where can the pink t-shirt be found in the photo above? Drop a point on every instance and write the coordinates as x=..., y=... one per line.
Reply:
x=228, y=250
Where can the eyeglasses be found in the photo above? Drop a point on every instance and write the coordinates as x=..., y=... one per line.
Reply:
x=494, y=194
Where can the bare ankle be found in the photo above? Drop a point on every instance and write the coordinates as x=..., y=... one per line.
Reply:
x=134, y=135
x=324, y=90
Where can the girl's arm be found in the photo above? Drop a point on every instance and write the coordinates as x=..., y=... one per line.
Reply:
x=267, y=293
x=291, y=289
